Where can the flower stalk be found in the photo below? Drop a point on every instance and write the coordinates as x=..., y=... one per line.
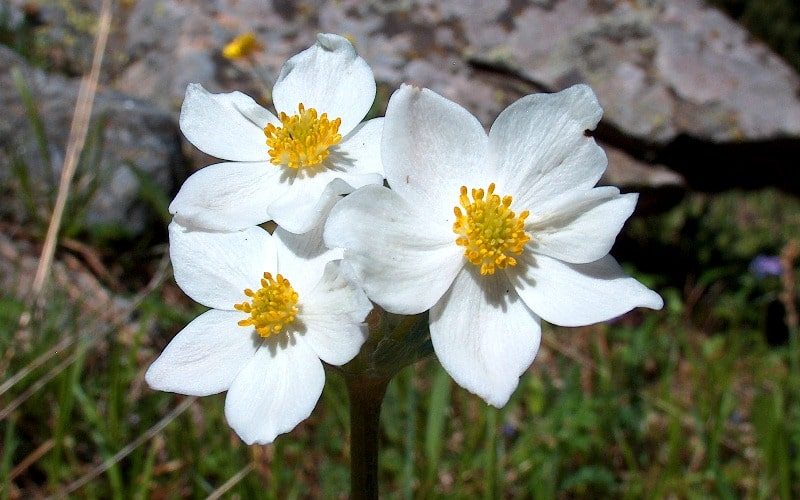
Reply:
x=366, y=396
x=394, y=343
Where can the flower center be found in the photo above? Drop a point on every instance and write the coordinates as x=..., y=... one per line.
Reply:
x=488, y=230
x=271, y=308
x=302, y=140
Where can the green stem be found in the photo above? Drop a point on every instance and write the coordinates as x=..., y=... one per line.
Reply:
x=366, y=395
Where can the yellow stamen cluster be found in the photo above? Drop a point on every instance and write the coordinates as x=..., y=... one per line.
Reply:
x=302, y=140
x=488, y=230
x=272, y=307
x=242, y=46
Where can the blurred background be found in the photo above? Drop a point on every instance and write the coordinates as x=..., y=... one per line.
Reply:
x=702, y=117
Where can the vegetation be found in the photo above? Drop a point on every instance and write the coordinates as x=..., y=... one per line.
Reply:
x=776, y=22
x=689, y=401
x=700, y=399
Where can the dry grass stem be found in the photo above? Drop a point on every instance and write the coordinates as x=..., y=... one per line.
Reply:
x=94, y=262
x=34, y=387
x=230, y=483
x=157, y=280
x=549, y=341
x=127, y=449
x=36, y=363
x=77, y=138
x=31, y=459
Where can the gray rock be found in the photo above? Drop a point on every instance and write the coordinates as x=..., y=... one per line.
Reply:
x=624, y=170
x=662, y=69
x=135, y=137
x=11, y=16
x=65, y=32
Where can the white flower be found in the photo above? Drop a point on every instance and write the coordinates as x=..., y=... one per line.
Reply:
x=281, y=168
x=491, y=233
x=263, y=339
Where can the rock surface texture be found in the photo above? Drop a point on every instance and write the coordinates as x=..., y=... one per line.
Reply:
x=130, y=140
x=688, y=95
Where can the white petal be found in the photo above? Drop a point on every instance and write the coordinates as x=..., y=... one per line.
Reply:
x=215, y=268
x=584, y=225
x=484, y=335
x=431, y=147
x=333, y=315
x=227, y=196
x=404, y=260
x=306, y=200
x=302, y=257
x=580, y=294
x=228, y=126
x=329, y=77
x=204, y=357
x=360, y=152
x=541, y=148
x=275, y=391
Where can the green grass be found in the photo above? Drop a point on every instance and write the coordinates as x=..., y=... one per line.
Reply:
x=648, y=406
x=699, y=400
x=692, y=401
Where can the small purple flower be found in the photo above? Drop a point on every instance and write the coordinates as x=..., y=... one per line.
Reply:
x=509, y=430
x=766, y=265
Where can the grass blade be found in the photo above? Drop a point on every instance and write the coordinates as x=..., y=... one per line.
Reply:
x=35, y=119
x=438, y=405
x=125, y=451
x=9, y=445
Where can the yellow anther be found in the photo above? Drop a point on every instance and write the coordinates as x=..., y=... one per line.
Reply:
x=302, y=140
x=489, y=230
x=242, y=46
x=271, y=308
